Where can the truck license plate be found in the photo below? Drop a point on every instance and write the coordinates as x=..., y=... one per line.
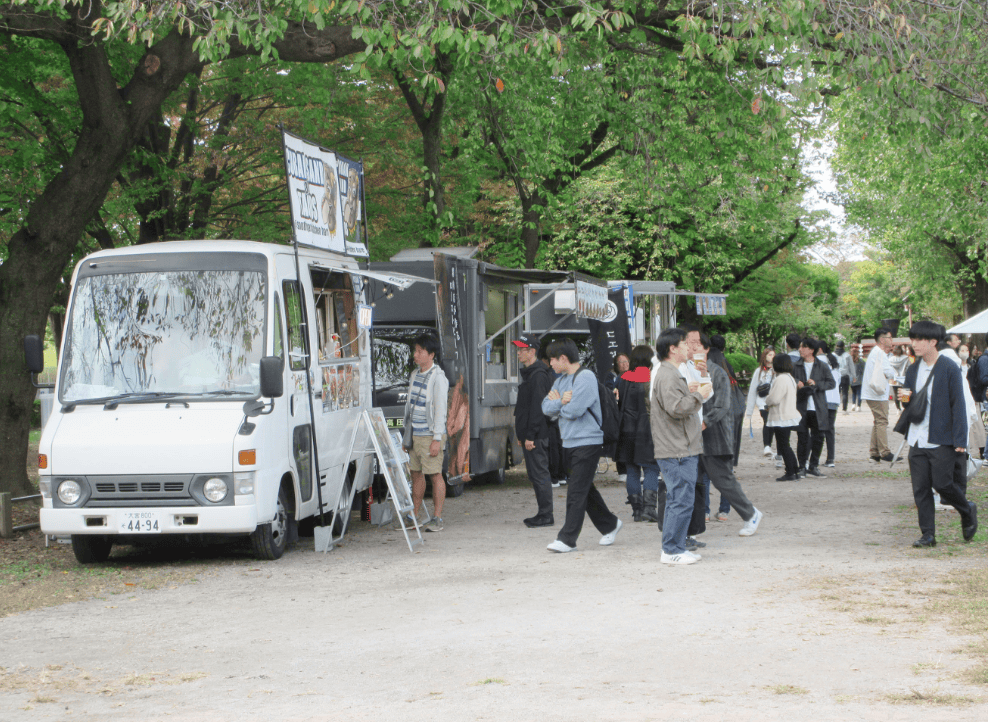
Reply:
x=140, y=522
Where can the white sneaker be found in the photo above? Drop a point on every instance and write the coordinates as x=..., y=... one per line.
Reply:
x=684, y=558
x=780, y=464
x=622, y=478
x=751, y=526
x=561, y=547
x=767, y=451
x=693, y=554
x=608, y=539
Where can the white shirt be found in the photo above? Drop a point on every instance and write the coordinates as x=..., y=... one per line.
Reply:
x=833, y=395
x=876, y=356
x=689, y=372
x=919, y=434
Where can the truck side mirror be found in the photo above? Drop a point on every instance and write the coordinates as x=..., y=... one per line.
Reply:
x=34, y=354
x=272, y=377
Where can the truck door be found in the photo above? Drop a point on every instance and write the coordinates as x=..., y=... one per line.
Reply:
x=298, y=351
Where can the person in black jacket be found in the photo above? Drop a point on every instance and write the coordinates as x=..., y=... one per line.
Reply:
x=634, y=447
x=938, y=441
x=813, y=380
x=531, y=426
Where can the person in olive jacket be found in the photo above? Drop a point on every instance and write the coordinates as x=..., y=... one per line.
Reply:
x=532, y=428
x=813, y=380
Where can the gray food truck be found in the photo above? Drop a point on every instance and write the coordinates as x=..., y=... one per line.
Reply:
x=477, y=310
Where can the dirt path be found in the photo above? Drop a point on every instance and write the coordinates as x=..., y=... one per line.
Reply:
x=819, y=616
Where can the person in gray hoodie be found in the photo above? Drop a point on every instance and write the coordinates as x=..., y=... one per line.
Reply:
x=574, y=400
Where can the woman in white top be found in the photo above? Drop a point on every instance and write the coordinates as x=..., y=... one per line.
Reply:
x=783, y=416
x=763, y=374
x=833, y=402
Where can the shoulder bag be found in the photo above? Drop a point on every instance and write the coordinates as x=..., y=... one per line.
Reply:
x=914, y=413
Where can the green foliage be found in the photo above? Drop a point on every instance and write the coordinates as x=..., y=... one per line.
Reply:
x=741, y=362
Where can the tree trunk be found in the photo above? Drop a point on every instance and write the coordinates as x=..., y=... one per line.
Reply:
x=40, y=251
x=975, y=294
x=532, y=206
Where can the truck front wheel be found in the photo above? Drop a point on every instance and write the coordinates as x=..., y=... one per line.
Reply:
x=91, y=548
x=271, y=539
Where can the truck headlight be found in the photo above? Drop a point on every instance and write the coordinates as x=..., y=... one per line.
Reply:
x=69, y=492
x=215, y=489
x=243, y=483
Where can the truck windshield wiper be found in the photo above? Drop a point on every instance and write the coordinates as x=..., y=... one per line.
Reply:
x=110, y=402
x=226, y=392
x=136, y=398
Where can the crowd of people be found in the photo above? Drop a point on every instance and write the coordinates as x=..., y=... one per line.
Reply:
x=674, y=426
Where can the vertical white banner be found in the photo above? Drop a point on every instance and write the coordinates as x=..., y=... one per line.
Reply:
x=350, y=182
x=315, y=200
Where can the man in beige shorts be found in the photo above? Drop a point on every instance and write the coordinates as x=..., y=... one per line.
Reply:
x=425, y=427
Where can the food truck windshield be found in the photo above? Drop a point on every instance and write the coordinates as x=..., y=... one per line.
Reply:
x=168, y=332
x=392, y=355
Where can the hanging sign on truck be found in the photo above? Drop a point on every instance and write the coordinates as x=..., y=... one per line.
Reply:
x=326, y=192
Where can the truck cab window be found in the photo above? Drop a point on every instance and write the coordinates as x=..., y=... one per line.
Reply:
x=298, y=346
x=336, y=315
x=277, y=347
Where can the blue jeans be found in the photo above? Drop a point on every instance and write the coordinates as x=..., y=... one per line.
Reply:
x=725, y=505
x=635, y=482
x=680, y=478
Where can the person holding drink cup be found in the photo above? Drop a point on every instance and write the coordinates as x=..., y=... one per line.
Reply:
x=938, y=441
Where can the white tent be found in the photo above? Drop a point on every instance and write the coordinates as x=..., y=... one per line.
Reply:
x=976, y=324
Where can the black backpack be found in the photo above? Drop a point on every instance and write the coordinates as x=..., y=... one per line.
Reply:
x=611, y=423
x=974, y=380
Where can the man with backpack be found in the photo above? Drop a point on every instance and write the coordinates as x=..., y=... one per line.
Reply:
x=575, y=400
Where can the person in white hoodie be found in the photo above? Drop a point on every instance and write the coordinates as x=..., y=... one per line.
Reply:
x=875, y=392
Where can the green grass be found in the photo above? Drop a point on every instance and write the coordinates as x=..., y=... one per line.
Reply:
x=34, y=436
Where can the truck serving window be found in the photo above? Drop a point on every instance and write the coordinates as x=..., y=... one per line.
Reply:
x=392, y=356
x=336, y=317
x=186, y=332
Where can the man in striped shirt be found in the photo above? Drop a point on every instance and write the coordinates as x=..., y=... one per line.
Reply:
x=425, y=427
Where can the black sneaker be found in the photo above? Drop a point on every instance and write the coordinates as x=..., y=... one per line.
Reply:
x=875, y=458
x=888, y=457
x=539, y=520
x=815, y=471
x=801, y=474
x=927, y=540
x=971, y=527
x=693, y=543
x=788, y=477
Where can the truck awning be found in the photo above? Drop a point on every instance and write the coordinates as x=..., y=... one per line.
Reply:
x=398, y=280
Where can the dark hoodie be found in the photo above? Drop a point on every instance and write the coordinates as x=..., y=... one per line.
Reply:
x=530, y=422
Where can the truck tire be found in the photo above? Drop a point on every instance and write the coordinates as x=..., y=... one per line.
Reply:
x=91, y=548
x=270, y=540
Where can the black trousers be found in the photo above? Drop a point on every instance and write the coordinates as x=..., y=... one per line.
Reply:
x=582, y=497
x=537, y=466
x=830, y=435
x=845, y=385
x=809, y=441
x=784, y=449
x=557, y=455
x=767, y=434
x=936, y=468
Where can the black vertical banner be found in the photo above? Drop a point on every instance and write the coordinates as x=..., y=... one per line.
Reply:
x=610, y=337
x=451, y=296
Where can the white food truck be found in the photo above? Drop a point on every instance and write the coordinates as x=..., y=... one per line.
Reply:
x=182, y=403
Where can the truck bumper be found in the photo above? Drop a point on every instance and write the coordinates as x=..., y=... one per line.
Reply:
x=169, y=520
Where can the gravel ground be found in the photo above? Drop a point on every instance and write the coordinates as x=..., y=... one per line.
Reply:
x=824, y=614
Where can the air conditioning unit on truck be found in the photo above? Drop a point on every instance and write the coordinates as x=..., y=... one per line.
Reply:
x=182, y=399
